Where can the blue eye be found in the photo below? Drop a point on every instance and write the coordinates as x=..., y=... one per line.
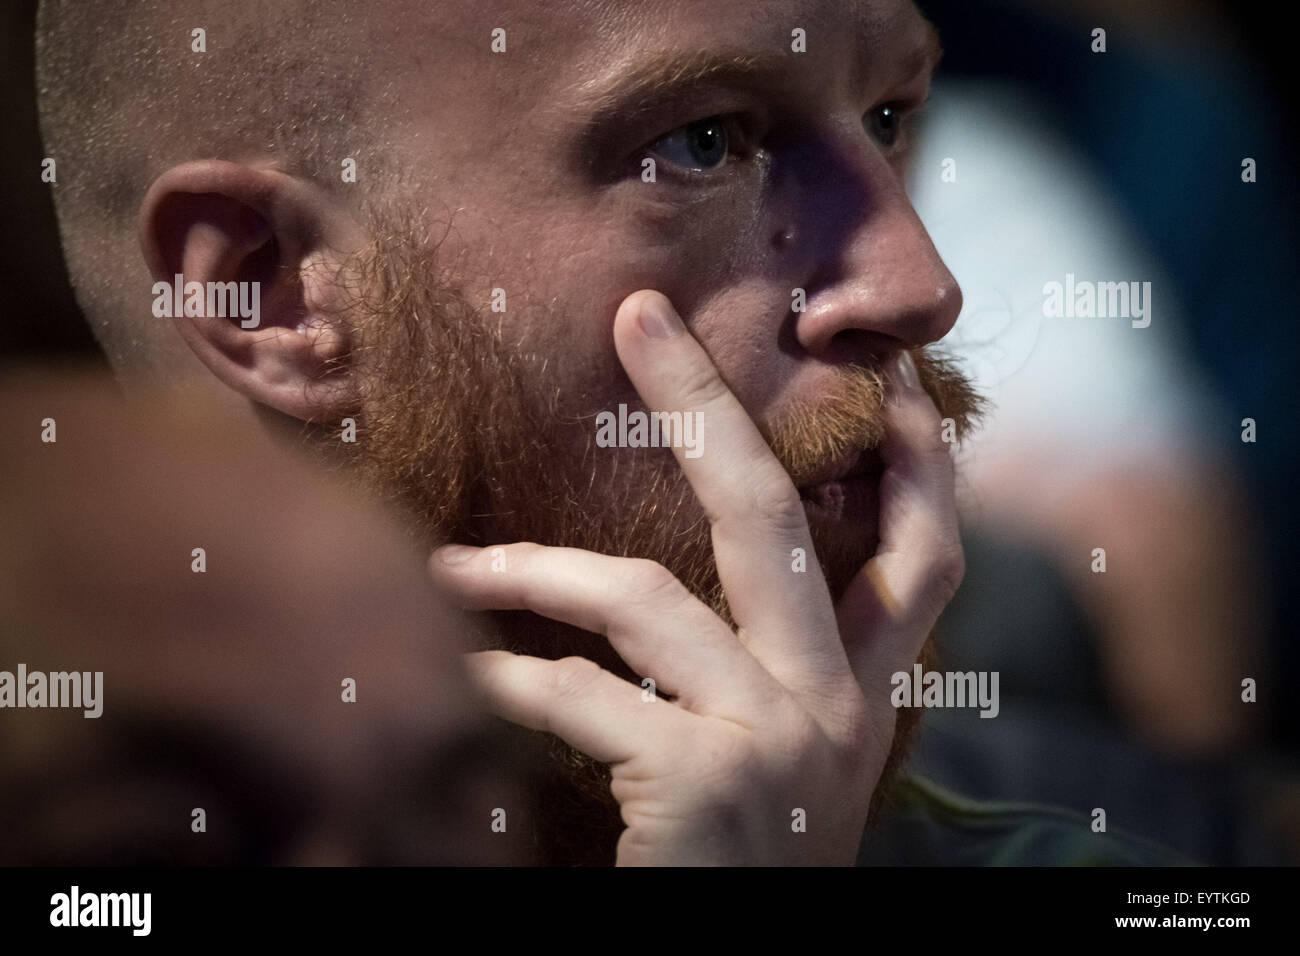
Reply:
x=884, y=124
x=701, y=146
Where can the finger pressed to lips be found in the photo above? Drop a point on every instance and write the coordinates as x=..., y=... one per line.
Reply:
x=795, y=644
x=892, y=604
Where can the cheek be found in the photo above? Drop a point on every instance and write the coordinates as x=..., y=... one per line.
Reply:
x=747, y=329
x=735, y=302
x=732, y=284
x=566, y=273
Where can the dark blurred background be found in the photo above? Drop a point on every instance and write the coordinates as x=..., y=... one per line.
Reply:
x=40, y=314
x=1163, y=119
x=1158, y=125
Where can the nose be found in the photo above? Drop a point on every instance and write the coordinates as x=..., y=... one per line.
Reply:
x=880, y=284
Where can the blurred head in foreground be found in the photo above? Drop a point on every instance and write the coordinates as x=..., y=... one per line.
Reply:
x=302, y=690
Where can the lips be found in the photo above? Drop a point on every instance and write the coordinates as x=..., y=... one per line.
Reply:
x=844, y=488
x=860, y=463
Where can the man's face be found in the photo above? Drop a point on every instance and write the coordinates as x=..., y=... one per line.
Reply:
x=774, y=171
x=535, y=155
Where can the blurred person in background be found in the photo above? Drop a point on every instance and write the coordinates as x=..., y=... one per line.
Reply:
x=227, y=732
x=1108, y=435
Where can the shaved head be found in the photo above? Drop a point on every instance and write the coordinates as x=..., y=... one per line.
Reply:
x=124, y=96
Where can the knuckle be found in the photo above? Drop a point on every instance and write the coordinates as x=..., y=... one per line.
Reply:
x=855, y=724
x=775, y=502
x=930, y=431
x=799, y=741
x=923, y=427
x=947, y=570
x=650, y=581
x=951, y=568
x=570, y=676
x=701, y=387
x=727, y=757
x=805, y=750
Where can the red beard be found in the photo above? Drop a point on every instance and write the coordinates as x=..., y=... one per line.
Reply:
x=463, y=433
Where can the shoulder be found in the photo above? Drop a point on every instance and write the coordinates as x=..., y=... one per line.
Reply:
x=927, y=825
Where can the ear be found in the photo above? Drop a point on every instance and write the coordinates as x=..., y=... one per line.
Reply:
x=270, y=336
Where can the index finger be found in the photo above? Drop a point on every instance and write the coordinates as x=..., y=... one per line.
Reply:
x=754, y=510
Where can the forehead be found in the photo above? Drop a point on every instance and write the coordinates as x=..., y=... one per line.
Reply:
x=614, y=19
x=585, y=44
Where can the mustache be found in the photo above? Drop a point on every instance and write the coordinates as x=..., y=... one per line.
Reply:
x=849, y=416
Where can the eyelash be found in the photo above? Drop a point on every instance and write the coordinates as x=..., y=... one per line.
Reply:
x=907, y=112
x=743, y=143
x=740, y=145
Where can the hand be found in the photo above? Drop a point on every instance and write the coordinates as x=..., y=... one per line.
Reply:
x=789, y=713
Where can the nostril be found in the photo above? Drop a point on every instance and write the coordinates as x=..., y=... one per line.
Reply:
x=858, y=346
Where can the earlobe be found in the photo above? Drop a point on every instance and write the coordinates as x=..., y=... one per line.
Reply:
x=244, y=261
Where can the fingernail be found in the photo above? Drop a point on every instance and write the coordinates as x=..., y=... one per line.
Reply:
x=659, y=320
x=457, y=553
x=905, y=371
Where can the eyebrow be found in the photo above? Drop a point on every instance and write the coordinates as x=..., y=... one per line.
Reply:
x=666, y=75
x=671, y=74
x=928, y=54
